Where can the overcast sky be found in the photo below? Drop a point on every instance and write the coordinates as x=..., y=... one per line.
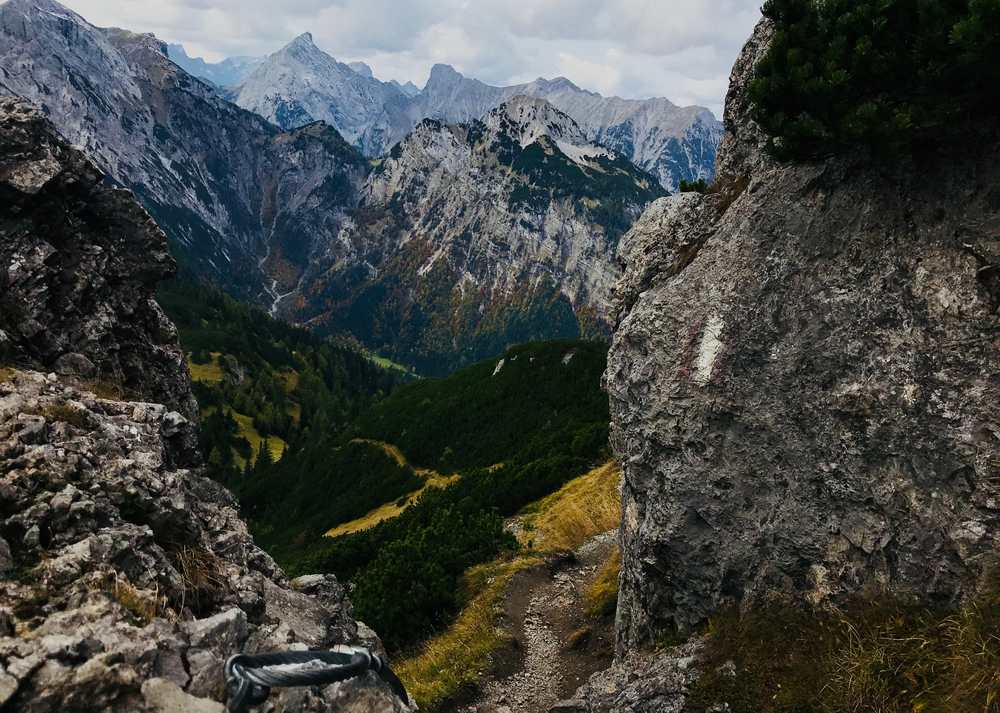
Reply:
x=680, y=49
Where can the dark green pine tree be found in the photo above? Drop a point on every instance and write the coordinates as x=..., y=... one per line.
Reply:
x=264, y=459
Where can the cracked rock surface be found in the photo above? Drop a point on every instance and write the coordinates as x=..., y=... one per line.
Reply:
x=805, y=381
x=126, y=577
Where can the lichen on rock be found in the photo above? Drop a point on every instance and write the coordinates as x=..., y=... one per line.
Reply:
x=127, y=577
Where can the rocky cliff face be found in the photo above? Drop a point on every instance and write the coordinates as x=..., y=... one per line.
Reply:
x=472, y=237
x=126, y=578
x=82, y=261
x=227, y=187
x=805, y=383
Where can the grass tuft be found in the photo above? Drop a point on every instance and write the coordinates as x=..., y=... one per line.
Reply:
x=203, y=575
x=601, y=596
x=584, y=507
x=144, y=605
x=879, y=655
x=107, y=389
x=67, y=414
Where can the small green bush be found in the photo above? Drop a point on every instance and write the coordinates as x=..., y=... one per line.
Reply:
x=698, y=186
x=889, y=75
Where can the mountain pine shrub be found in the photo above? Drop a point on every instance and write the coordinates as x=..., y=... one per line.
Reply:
x=887, y=75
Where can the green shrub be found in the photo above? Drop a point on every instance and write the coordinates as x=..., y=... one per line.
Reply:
x=698, y=186
x=889, y=75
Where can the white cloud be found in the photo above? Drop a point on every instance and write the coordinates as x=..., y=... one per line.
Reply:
x=634, y=48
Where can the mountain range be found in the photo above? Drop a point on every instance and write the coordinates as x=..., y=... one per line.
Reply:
x=301, y=83
x=472, y=236
x=227, y=187
x=462, y=239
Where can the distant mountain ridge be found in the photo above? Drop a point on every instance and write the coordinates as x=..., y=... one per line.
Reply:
x=227, y=73
x=301, y=83
x=671, y=142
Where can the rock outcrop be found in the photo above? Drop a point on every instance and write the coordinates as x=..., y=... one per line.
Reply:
x=126, y=578
x=81, y=261
x=805, y=381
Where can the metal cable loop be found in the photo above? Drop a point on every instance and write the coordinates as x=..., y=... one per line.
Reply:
x=249, y=678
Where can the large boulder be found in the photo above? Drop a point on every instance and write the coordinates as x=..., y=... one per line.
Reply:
x=805, y=381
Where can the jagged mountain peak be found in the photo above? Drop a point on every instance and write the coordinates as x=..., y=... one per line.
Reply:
x=227, y=73
x=28, y=9
x=527, y=118
x=409, y=89
x=444, y=72
x=301, y=84
x=560, y=83
x=43, y=5
x=304, y=47
x=363, y=69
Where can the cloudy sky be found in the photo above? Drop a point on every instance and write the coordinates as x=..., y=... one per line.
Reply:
x=681, y=49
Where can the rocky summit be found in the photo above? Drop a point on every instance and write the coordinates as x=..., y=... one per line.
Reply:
x=300, y=84
x=128, y=578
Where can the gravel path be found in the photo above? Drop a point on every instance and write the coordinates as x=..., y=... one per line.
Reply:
x=544, y=612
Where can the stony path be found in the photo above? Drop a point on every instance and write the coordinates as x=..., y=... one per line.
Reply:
x=544, y=612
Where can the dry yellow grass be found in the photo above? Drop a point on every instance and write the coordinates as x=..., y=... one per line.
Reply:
x=210, y=373
x=387, y=511
x=6, y=374
x=584, y=507
x=274, y=444
x=144, y=605
x=601, y=595
x=456, y=659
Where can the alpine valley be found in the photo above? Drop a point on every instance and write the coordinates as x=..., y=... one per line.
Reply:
x=334, y=203
x=294, y=359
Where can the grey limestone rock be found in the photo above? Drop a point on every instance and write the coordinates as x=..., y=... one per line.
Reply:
x=804, y=382
x=127, y=578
